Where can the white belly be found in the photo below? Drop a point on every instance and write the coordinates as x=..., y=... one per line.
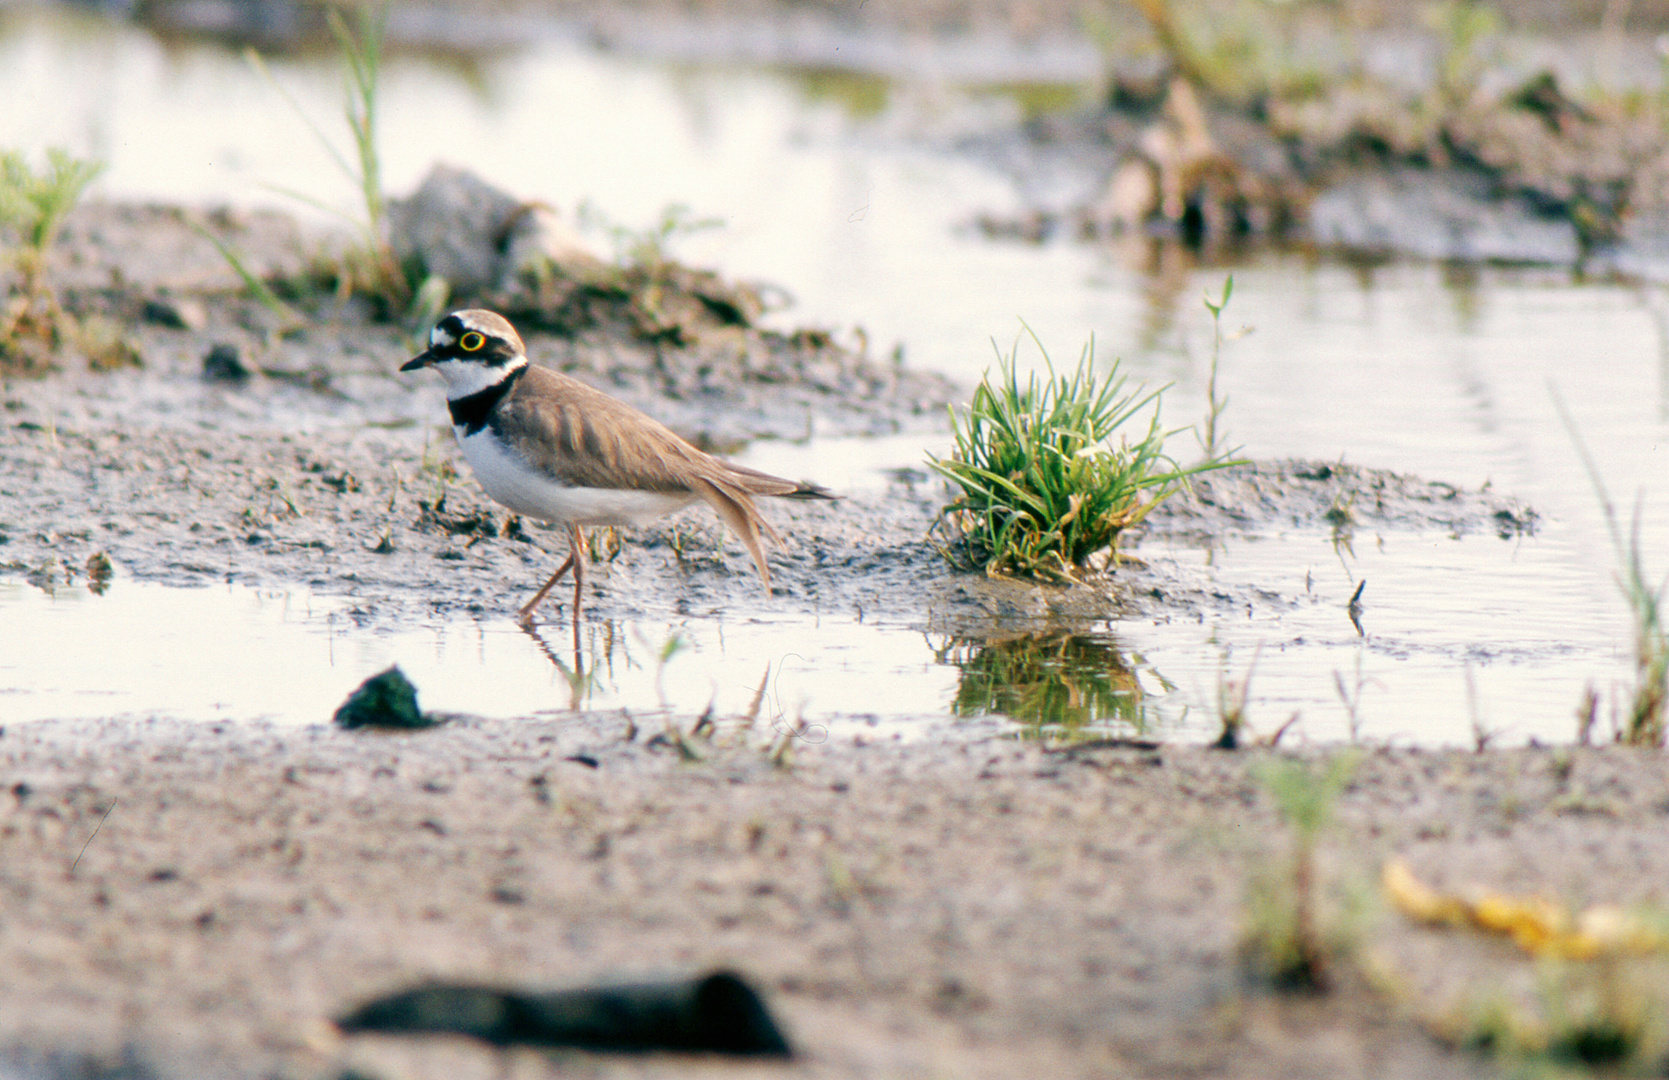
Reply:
x=511, y=482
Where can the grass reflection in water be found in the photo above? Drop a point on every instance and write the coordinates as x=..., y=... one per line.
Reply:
x=1056, y=682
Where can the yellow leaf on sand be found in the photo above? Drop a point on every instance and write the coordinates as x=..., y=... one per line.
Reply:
x=1419, y=901
x=1536, y=925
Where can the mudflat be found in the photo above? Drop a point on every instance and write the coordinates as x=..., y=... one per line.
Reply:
x=185, y=900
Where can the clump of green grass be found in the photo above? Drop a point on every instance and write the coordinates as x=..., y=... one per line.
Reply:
x=33, y=205
x=1288, y=942
x=1044, y=490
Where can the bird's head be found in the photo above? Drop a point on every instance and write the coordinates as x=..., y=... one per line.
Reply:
x=472, y=349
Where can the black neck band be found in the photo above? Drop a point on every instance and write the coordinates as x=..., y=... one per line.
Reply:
x=470, y=413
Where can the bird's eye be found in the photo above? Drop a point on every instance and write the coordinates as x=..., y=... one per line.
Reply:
x=471, y=342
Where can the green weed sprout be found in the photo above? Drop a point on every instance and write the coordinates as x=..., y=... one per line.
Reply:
x=33, y=206
x=1286, y=941
x=1043, y=489
x=287, y=319
x=1603, y=1017
x=1647, y=722
x=1214, y=404
x=674, y=644
x=1233, y=695
x=649, y=248
x=371, y=267
x=1462, y=28
x=362, y=53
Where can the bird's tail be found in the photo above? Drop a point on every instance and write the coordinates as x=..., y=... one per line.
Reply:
x=755, y=482
x=736, y=509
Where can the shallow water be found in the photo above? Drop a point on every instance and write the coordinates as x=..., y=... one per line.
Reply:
x=287, y=655
x=1446, y=373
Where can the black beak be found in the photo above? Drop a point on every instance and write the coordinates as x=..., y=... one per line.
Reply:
x=422, y=360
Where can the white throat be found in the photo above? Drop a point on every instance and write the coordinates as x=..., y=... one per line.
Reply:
x=466, y=377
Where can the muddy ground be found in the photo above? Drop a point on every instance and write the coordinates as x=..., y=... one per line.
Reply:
x=978, y=907
x=967, y=910
x=196, y=901
x=318, y=463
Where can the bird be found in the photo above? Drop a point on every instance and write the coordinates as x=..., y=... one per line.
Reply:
x=549, y=447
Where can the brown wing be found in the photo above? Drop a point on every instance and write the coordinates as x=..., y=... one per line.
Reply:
x=585, y=438
x=595, y=440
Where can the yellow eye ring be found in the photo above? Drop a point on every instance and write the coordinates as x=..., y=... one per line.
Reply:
x=471, y=342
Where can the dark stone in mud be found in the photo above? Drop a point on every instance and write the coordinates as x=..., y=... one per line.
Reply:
x=224, y=363
x=176, y=314
x=719, y=1014
x=386, y=700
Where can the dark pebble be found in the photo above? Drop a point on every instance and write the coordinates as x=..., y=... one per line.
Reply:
x=387, y=700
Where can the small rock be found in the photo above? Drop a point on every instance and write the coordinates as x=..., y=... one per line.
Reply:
x=535, y=239
x=99, y=570
x=477, y=237
x=179, y=314
x=453, y=225
x=225, y=364
x=387, y=700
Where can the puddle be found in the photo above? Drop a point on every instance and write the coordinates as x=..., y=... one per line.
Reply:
x=1441, y=372
x=1515, y=620
x=290, y=656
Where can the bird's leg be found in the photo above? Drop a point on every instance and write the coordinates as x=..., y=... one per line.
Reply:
x=577, y=554
x=526, y=613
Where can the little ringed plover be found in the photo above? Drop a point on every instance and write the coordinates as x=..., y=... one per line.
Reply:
x=550, y=447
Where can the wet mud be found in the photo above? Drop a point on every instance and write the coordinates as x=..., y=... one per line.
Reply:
x=195, y=900
x=392, y=520
x=240, y=451
x=1525, y=175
